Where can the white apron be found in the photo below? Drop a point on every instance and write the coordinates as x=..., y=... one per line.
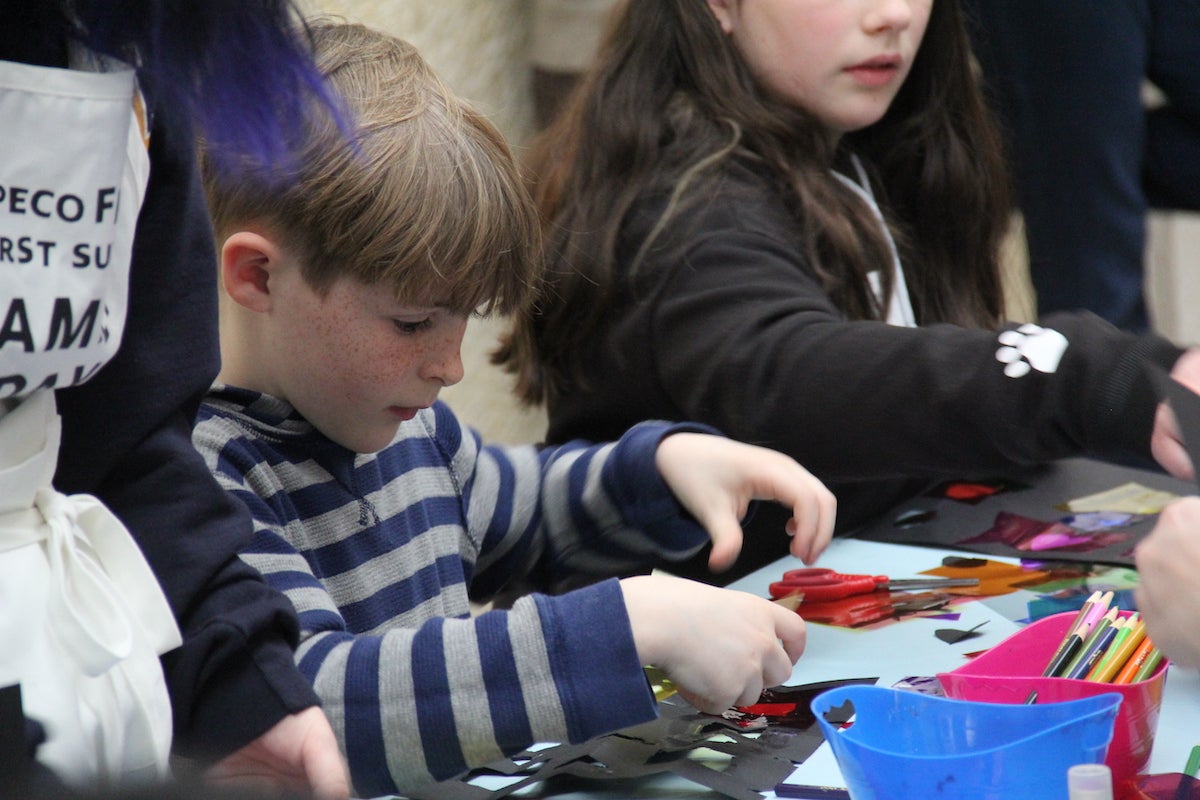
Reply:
x=82, y=618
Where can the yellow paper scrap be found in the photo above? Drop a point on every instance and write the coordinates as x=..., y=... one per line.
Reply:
x=1132, y=498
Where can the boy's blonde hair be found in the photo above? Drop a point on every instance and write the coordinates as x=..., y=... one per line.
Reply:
x=423, y=195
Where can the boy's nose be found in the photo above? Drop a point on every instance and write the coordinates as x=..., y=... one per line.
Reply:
x=445, y=367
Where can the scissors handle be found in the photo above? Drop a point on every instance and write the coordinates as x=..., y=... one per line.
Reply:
x=818, y=585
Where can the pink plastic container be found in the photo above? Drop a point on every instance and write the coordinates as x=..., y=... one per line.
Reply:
x=1008, y=672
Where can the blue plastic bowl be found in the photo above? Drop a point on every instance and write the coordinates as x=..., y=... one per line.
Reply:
x=903, y=745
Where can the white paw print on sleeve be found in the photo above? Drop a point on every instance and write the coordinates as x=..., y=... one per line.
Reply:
x=1030, y=346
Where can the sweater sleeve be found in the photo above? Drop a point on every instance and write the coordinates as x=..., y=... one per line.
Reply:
x=414, y=704
x=127, y=440
x=744, y=338
x=558, y=517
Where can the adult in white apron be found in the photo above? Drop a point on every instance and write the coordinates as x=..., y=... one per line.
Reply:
x=82, y=618
x=125, y=345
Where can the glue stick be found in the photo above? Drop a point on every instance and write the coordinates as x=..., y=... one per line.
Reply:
x=1089, y=782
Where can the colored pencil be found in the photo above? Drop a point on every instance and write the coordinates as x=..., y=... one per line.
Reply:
x=1094, y=614
x=1075, y=641
x=1102, y=625
x=1124, y=626
x=1148, y=666
x=1121, y=653
x=1120, y=631
x=1135, y=661
x=1100, y=608
x=1193, y=763
x=1064, y=656
x=1062, y=645
x=1095, y=651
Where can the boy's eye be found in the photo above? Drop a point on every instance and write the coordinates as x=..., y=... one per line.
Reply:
x=411, y=327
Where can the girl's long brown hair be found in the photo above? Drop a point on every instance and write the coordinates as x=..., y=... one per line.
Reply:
x=668, y=99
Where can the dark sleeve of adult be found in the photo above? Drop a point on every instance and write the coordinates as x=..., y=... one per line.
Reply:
x=127, y=440
x=745, y=339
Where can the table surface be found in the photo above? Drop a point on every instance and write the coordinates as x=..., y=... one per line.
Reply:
x=910, y=649
x=1038, y=494
x=905, y=649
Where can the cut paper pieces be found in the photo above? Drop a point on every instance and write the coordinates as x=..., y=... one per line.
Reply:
x=738, y=754
x=1080, y=580
x=1068, y=586
x=1030, y=535
x=1132, y=498
x=963, y=562
x=1056, y=603
x=660, y=684
x=790, y=706
x=1164, y=786
x=921, y=684
x=876, y=609
x=995, y=577
x=1101, y=520
x=973, y=492
x=956, y=635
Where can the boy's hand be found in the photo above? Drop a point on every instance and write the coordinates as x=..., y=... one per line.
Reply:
x=716, y=478
x=719, y=647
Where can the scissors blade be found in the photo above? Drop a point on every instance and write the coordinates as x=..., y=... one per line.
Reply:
x=930, y=583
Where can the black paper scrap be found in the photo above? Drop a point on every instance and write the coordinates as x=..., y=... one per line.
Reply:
x=754, y=758
x=963, y=562
x=955, y=635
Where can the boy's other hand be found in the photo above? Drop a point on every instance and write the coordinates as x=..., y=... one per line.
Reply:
x=719, y=647
x=299, y=755
x=716, y=478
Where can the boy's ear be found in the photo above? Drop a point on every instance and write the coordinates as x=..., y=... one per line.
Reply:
x=247, y=262
x=724, y=11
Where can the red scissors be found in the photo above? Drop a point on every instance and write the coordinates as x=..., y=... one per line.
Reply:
x=818, y=585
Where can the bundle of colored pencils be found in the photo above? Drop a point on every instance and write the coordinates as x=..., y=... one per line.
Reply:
x=1101, y=645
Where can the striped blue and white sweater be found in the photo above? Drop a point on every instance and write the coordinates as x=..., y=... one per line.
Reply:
x=379, y=552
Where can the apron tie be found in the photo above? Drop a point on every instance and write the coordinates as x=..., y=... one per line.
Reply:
x=103, y=584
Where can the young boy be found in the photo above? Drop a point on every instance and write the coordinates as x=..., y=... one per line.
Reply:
x=347, y=288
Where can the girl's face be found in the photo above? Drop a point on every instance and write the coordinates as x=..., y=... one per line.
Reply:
x=842, y=61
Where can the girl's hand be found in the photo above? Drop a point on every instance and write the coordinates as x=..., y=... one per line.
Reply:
x=1166, y=441
x=1168, y=592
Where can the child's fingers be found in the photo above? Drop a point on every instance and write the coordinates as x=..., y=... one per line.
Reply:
x=792, y=633
x=811, y=525
x=1166, y=445
x=726, y=534
x=777, y=668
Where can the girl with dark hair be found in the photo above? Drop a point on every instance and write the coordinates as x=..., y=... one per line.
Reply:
x=116, y=545
x=784, y=218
